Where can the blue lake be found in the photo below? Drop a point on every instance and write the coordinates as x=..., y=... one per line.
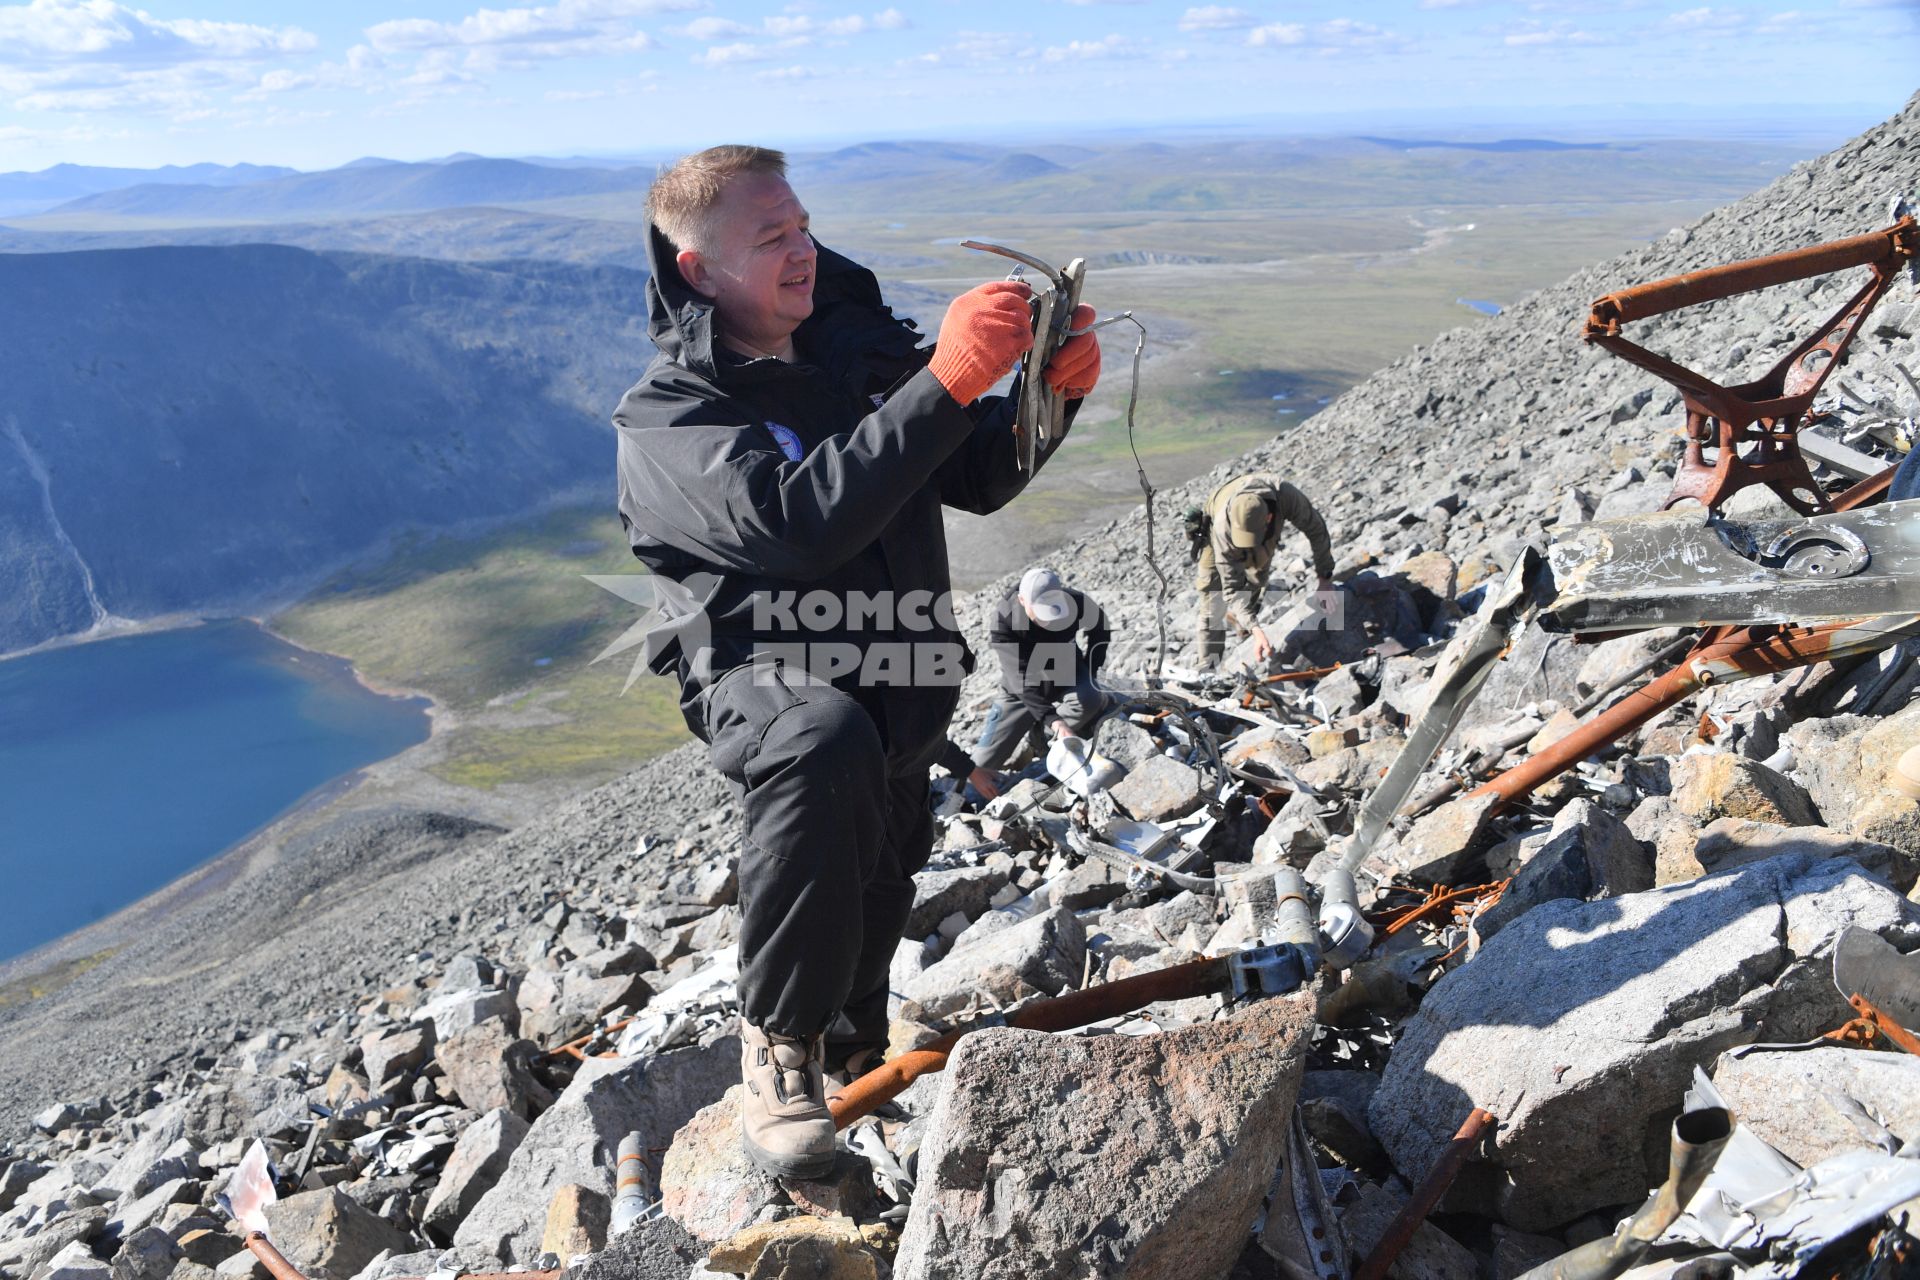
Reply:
x=127, y=762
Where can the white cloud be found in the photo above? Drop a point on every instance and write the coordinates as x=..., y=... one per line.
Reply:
x=46, y=32
x=1731, y=23
x=789, y=73
x=1113, y=46
x=101, y=56
x=499, y=37
x=721, y=55
x=713, y=29
x=975, y=48
x=1340, y=35
x=1216, y=17
x=1275, y=34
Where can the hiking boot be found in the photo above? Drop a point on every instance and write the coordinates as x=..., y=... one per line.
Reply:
x=785, y=1127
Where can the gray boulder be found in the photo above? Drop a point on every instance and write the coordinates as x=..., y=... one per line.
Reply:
x=938, y=894
x=14, y=1180
x=245, y=1105
x=1710, y=785
x=1579, y=1026
x=577, y=1139
x=487, y=1067
x=1149, y=1158
x=160, y=1154
x=73, y=1262
x=146, y=1254
x=1732, y=842
x=1431, y=1254
x=390, y=1057
x=24, y=1257
x=652, y=1249
x=475, y=1166
x=1046, y=953
x=1806, y=1102
x=455, y=1011
x=1588, y=854
x=1158, y=788
x=327, y=1235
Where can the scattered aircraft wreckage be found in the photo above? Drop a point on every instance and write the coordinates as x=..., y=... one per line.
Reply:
x=1840, y=576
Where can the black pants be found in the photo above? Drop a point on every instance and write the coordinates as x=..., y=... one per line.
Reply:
x=836, y=825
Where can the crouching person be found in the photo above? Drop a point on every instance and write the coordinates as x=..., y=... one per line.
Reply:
x=1047, y=680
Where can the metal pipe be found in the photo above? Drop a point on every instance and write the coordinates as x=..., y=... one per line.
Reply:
x=1698, y=1138
x=1890, y=244
x=1046, y=1013
x=1724, y=653
x=1345, y=935
x=271, y=1258
x=1292, y=911
x=1446, y=1167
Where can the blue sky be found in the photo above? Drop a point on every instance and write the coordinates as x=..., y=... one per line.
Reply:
x=102, y=82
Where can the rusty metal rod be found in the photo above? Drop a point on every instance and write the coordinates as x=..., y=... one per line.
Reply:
x=271, y=1258
x=1888, y=1026
x=1446, y=1167
x=1713, y=283
x=1051, y=1013
x=1723, y=653
x=1618, y=720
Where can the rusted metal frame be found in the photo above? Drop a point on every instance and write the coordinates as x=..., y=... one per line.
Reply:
x=1427, y=1196
x=1392, y=922
x=1767, y=413
x=1714, y=283
x=1877, y=1018
x=1724, y=653
x=1048, y=1013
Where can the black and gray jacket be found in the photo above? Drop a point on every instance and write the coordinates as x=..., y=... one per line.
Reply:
x=747, y=484
x=1040, y=665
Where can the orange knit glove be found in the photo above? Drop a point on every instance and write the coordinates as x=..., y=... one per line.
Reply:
x=986, y=331
x=1075, y=367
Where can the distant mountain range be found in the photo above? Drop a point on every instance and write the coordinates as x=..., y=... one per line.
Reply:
x=1502, y=144
x=363, y=188
x=1126, y=174
x=23, y=193
x=198, y=428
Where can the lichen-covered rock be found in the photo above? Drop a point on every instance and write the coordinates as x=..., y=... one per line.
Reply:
x=327, y=1235
x=477, y=1162
x=1149, y=1158
x=1580, y=1024
x=577, y=1138
x=1046, y=953
x=1718, y=784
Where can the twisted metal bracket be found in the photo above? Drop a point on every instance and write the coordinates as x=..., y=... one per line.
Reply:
x=1762, y=417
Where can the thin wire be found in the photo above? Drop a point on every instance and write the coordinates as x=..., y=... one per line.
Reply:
x=1146, y=489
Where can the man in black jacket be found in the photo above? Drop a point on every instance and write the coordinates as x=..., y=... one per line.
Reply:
x=782, y=465
x=1046, y=679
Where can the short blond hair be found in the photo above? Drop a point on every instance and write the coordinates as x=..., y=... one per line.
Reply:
x=682, y=198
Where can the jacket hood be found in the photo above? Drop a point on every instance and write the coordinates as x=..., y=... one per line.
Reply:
x=680, y=320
